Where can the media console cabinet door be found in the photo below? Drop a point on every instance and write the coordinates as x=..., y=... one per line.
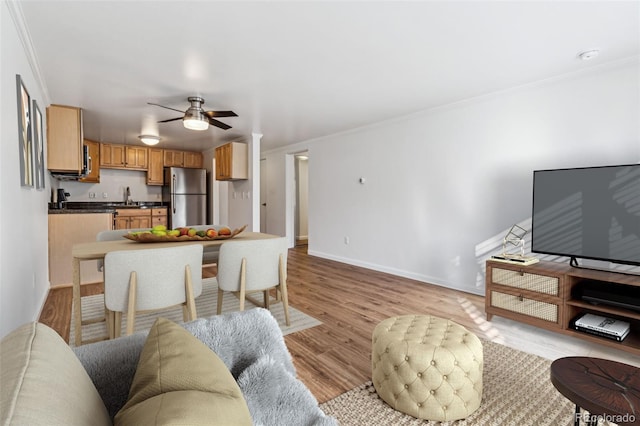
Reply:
x=525, y=293
x=65, y=230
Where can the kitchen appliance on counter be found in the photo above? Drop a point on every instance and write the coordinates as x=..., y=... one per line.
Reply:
x=185, y=193
x=60, y=198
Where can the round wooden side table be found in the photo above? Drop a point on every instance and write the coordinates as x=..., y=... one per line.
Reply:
x=604, y=388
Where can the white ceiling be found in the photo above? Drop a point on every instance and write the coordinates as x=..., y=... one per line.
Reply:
x=298, y=70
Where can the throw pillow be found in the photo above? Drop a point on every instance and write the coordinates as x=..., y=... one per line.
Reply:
x=180, y=381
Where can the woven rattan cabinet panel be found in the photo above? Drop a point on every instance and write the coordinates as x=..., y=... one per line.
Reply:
x=533, y=282
x=522, y=305
x=530, y=294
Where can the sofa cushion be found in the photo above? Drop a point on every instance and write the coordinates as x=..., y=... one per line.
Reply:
x=43, y=383
x=179, y=380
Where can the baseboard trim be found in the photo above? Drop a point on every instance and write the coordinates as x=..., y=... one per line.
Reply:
x=398, y=272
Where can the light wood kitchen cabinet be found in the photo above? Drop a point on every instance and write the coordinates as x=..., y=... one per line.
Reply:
x=115, y=156
x=155, y=174
x=193, y=160
x=132, y=218
x=231, y=161
x=112, y=156
x=64, y=139
x=159, y=216
x=65, y=230
x=136, y=157
x=93, y=175
x=189, y=159
x=173, y=158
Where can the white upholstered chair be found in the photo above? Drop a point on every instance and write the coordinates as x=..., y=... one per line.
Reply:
x=253, y=266
x=113, y=235
x=151, y=279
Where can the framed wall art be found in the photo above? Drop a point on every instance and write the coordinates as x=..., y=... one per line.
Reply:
x=38, y=152
x=24, y=134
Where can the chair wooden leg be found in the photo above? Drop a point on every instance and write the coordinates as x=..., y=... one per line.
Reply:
x=266, y=299
x=190, y=300
x=220, y=296
x=243, y=283
x=283, y=290
x=117, y=324
x=131, y=307
x=111, y=325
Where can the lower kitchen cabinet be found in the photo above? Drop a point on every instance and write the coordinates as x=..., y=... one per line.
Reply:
x=159, y=216
x=132, y=218
x=65, y=230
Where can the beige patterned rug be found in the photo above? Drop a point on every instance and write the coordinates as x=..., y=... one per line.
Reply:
x=206, y=305
x=516, y=392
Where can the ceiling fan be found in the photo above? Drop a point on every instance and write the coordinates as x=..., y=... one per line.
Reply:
x=196, y=118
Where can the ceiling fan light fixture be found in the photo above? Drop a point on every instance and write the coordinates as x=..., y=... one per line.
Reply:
x=149, y=139
x=194, y=119
x=194, y=123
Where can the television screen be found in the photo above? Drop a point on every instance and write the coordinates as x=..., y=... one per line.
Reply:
x=589, y=213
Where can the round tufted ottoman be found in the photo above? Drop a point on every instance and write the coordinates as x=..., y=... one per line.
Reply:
x=427, y=367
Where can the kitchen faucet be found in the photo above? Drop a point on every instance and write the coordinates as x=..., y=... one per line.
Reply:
x=128, y=200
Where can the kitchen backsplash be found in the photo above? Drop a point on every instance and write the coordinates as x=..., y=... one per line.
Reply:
x=113, y=183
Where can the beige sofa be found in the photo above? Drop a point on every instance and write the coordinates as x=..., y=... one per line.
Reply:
x=167, y=377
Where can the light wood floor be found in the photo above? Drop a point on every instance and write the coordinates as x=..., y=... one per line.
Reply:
x=335, y=356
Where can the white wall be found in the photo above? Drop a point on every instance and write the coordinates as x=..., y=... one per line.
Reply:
x=24, y=278
x=114, y=183
x=441, y=183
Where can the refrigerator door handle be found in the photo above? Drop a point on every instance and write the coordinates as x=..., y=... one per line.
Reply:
x=173, y=195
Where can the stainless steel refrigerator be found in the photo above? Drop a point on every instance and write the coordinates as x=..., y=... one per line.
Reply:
x=185, y=192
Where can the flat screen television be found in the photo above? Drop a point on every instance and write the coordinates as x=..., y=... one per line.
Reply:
x=588, y=213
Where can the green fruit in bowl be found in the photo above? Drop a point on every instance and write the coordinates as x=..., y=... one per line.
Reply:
x=159, y=228
x=201, y=233
x=159, y=233
x=174, y=233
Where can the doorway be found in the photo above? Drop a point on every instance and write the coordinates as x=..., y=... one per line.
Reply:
x=301, y=199
x=263, y=195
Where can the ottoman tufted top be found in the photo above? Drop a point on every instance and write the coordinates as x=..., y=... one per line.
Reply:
x=427, y=366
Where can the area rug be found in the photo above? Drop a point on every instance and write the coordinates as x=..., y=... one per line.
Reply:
x=516, y=392
x=206, y=305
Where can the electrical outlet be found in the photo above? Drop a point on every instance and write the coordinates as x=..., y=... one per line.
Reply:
x=105, y=195
x=346, y=240
x=92, y=195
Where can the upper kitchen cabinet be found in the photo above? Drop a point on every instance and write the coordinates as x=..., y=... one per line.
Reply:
x=231, y=161
x=189, y=159
x=114, y=156
x=136, y=157
x=193, y=160
x=173, y=158
x=155, y=174
x=64, y=139
x=93, y=169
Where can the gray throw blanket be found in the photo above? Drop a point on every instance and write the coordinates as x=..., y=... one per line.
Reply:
x=250, y=344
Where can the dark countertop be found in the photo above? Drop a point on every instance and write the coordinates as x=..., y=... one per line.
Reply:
x=97, y=207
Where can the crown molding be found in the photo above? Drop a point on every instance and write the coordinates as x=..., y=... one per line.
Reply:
x=15, y=11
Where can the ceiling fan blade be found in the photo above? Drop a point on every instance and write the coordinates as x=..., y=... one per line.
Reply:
x=171, y=119
x=162, y=106
x=219, y=124
x=212, y=114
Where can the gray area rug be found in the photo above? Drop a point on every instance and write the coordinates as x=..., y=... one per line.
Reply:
x=517, y=391
x=206, y=305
